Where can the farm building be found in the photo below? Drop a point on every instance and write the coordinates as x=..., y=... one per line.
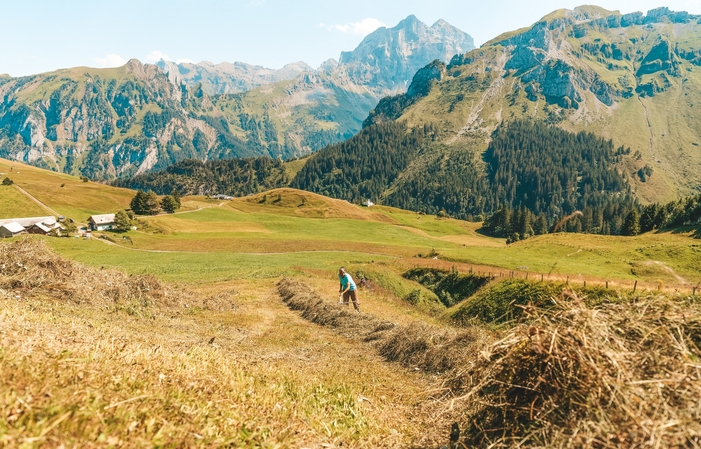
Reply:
x=11, y=229
x=27, y=222
x=101, y=222
x=44, y=229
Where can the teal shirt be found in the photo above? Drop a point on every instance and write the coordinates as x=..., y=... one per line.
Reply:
x=345, y=280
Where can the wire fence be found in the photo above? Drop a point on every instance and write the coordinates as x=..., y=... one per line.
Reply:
x=492, y=272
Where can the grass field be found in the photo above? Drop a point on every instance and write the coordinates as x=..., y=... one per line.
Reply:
x=226, y=362
x=66, y=194
x=14, y=204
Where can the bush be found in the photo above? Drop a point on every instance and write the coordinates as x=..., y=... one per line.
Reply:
x=7, y=182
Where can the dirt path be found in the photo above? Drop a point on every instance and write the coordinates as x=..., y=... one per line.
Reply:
x=667, y=269
x=42, y=205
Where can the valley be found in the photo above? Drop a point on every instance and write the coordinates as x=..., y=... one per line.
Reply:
x=522, y=221
x=211, y=355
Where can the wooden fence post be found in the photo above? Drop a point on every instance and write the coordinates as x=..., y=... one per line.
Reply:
x=635, y=286
x=585, y=284
x=542, y=276
x=607, y=284
x=567, y=282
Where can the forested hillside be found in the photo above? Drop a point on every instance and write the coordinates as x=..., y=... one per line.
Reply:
x=632, y=78
x=527, y=165
x=235, y=177
x=364, y=166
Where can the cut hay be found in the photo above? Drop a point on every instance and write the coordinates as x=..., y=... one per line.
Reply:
x=620, y=375
x=615, y=375
x=431, y=348
x=28, y=267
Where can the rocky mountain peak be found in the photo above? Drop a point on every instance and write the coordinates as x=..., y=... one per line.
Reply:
x=389, y=57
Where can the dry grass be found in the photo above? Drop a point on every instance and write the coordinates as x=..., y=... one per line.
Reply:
x=80, y=375
x=621, y=375
x=617, y=375
x=419, y=345
x=301, y=203
x=28, y=266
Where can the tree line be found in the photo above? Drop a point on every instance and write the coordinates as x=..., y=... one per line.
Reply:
x=235, y=177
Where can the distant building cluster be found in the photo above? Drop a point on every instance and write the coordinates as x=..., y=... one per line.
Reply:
x=11, y=227
x=222, y=197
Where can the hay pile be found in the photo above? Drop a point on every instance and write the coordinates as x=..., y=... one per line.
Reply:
x=621, y=375
x=617, y=375
x=28, y=267
x=431, y=348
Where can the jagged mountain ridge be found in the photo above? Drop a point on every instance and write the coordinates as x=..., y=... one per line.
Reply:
x=633, y=78
x=328, y=105
x=230, y=78
x=117, y=123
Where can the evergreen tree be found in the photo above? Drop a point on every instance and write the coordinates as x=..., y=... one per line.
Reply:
x=152, y=203
x=169, y=204
x=176, y=196
x=647, y=218
x=631, y=225
x=122, y=222
x=541, y=225
x=139, y=204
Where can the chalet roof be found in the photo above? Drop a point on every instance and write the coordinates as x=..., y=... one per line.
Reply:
x=27, y=222
x=43, y=227
x=13, y=227
x=102, y=219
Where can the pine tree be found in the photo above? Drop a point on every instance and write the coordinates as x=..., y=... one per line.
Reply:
x=176, y=196
x=631, y=225
x=152, y=203
x=541, y=225
x=139, y=204
x=169, y=204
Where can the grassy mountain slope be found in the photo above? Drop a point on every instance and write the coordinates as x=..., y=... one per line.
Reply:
x=632, y=78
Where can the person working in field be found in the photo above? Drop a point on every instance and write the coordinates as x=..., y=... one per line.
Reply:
x=347, y=290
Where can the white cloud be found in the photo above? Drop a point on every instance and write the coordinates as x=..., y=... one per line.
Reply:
x=155, y=56
x=184, y=61
x=362, y=28
x=110, y=60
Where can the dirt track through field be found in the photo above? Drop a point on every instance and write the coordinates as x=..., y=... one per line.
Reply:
x=42, y=205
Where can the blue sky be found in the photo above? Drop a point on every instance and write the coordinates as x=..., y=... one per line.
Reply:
x=43, y=35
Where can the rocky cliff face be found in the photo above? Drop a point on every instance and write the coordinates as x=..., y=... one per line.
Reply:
x=319, y=107
x=115, y=123
x=230, y=78
x=633, y=78
x=389, y=57
x=108, y=123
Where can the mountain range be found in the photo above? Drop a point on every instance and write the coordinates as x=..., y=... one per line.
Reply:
x=586, y=110
x=116, y=123
x=625, y=84
x=632, y=78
